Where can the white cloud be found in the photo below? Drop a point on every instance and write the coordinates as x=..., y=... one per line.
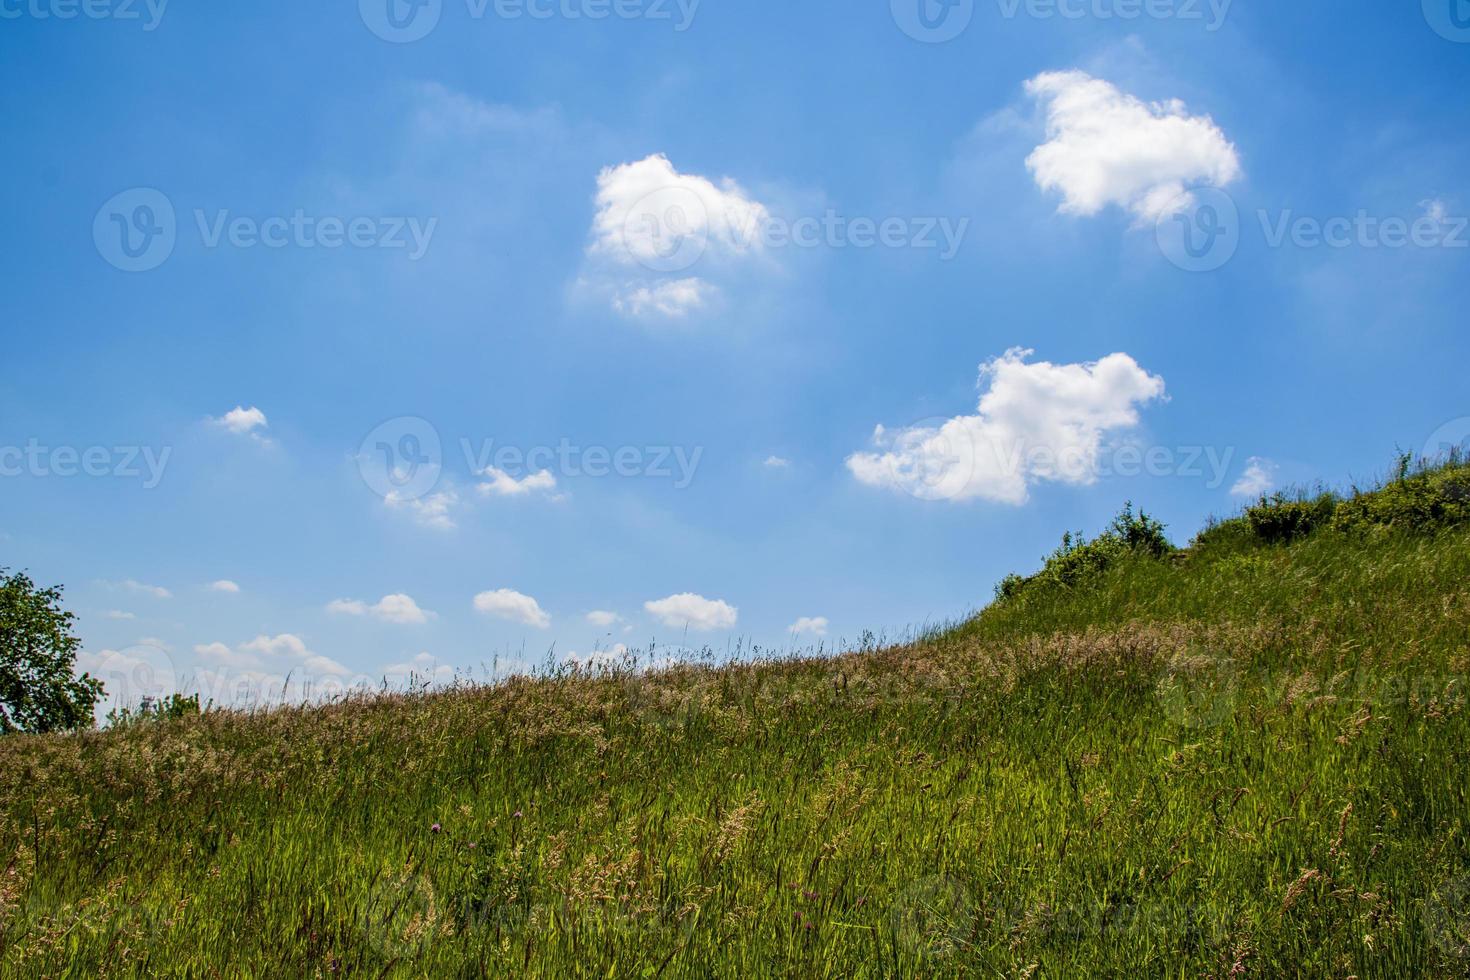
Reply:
x=694, y=611
x=603, y=617
x=432, y=511
x=614, y=656
x=776, y=462
x=224, y=585
x=421, y=668
x=651, y=216
x=396, y=608
x=262, y=651
x=640, y=204
x=219, y=653
x=1036, y=422
x=118, y=614
x=243, y=421
x=1105, y=146
x=512, y=605
x=501, y=484
x=288, y=645
x=317, y=664
x=281, y=645
x=815, y=625
x=674, y=299
x=156, y=591
x=1258, y=479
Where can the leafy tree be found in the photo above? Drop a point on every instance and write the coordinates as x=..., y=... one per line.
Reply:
x=38, y=652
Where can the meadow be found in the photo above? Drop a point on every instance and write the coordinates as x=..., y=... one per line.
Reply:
x=1245, y=757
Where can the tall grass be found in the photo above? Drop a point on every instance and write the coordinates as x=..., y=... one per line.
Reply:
x=1240, y=759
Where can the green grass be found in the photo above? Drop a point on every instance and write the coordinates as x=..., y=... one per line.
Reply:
x=1239, y=758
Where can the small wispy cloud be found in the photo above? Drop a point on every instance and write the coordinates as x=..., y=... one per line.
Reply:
x=1258, y=479
x=809, y=625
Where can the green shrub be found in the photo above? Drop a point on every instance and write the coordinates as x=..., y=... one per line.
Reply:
x=171, y=708
x=1078, y=559
x=1281, y=519
x=1432, y=497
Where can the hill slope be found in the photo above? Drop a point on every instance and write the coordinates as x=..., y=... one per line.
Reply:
x=1248, y=757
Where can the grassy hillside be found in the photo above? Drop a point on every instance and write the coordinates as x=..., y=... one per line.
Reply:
x=1248, y=757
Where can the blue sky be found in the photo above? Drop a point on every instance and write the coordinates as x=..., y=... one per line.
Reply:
x=720, y=243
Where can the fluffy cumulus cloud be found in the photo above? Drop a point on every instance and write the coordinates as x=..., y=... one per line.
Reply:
x=693, y=611
x=498, y=483
x=1258, y=479
x=514, y=606
x=603, y=617
x=244, y=422
x=654, y=224
x=435, y=510
x=673, y=300
x=1036, y=422
x=1105, y=147
x=810, y=625
x=396, y=608
x=267, y=669
x=777, y=463
x=256, y=665
x=224, y=585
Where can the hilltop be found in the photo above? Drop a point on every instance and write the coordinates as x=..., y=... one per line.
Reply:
x=1246, y=756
